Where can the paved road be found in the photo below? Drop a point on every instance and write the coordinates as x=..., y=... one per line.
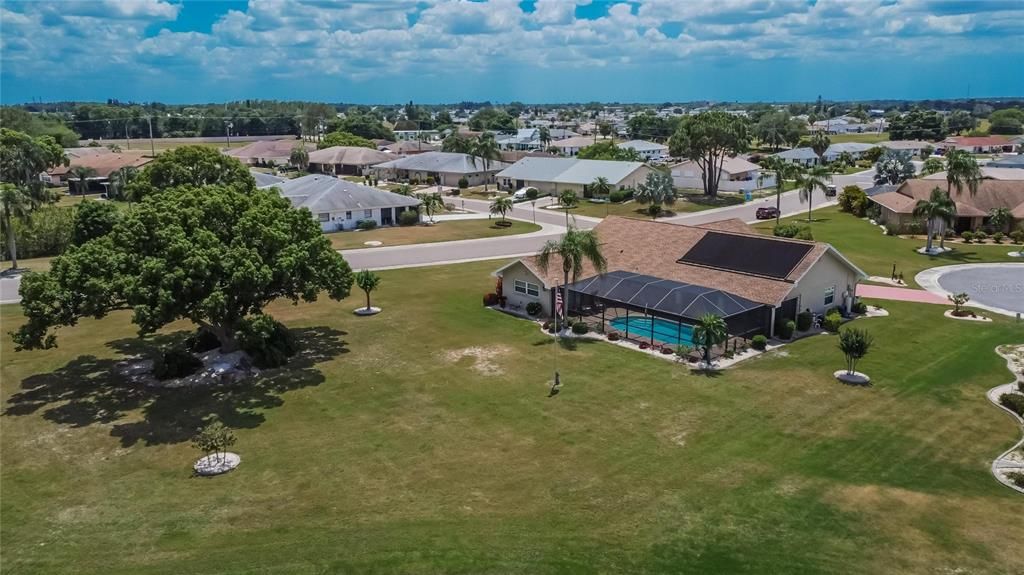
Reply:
x=516, y=246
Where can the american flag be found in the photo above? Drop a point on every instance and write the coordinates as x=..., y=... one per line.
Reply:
x=558, y=301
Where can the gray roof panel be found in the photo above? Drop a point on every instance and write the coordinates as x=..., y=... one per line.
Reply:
x=322, y=193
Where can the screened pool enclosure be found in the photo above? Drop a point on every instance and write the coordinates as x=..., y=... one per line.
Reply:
x=658, y=311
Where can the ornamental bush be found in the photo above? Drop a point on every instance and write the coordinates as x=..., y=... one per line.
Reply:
x=201, y=341
x=1013, y=401
x=534, y=308
x=832, y=322
x=785, y=329
x=175, y=362
x=490, y=299
x=860, y=307
x=408, y=218
x=580, y=328
x=998, y=237
x=617, y=197
x=532, y=193
x=980, y=236
x=1016, y=478
x=967, y=236
x=804, y=320
x=759, y=342
x=613, y=336
x=366, y=224
x=463, y=183
x=267, y=341
x=1017, y=236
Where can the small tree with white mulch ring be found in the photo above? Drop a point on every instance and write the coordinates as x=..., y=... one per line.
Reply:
x=214, y=440
x=854, y=343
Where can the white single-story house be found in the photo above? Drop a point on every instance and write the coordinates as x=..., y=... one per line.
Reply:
x=647, y=150
x=737, y=175
x=677, y=273
x=855, y=149
x=348, y=160
x=553, y=175
x=799, y=156
x=445, y=168
x=529, y=138
x=915, y=147
x=569, y=147
x=340, y=204
x=412, y=135
x=978, y=144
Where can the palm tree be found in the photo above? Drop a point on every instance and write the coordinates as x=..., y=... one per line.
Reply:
x=575, y=248
x=600, y=187
x=485, y=148
x=501, y=206
x=999, y=218
x=299, y=157
x=404, y=190
x=657, y=189
x=938, y=207
x=15, y=204
x=456, y=144
x=709, y=332
x=82, y=174
x=432, y=203
x=820, y=143
x=783, y=170
x=544, y=136
x=845, y=158
x=814, y=178
x=367, y=281
x=568, y=200
x=120, y=180
x=961, y=170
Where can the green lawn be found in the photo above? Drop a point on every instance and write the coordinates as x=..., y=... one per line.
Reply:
x=34, y=264
x=871, y=138
x=439, y=232
x=875, y=253
x=422, y=440
x=687, y=202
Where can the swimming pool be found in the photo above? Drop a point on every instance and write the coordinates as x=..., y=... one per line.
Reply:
x=665, y=331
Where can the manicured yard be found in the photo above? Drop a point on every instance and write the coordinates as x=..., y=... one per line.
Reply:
x=875, y=253
x=685, y=203
x=422, y=440
x=34, y=264
x=871, y=138
x=439, y=232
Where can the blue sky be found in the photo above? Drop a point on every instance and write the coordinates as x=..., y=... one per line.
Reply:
x=384, y=51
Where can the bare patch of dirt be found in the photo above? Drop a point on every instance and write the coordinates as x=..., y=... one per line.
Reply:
x=483, y=360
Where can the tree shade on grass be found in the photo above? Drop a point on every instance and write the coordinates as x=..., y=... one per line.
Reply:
x=769, y=467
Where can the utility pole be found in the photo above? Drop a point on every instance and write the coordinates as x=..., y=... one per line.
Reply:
x=126, y=138
x=227, y=131
x=152, y=147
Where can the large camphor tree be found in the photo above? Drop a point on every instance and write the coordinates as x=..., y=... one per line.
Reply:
x=211, y=254
x=708, y=139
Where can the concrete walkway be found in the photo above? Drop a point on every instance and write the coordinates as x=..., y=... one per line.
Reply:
x=899, y=294
x=1010, y=460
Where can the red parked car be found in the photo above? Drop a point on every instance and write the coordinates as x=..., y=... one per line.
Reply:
x=767, y=213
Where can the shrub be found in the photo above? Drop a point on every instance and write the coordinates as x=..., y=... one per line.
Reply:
x=429, y=181
x=532, y=193
x=853, y=200
x=998, y=237
x=832, y=322
x=892, y=229
x=1017, y=236
x=175, y=362
x=759, y=342
x=788, y=230
x=534, y=308
x=450, y=207
x=201, y=341
x=916, y=227
x=463, y=183
x=786, y=329
x=1013, y=401
x=47, y=233
x=366, y=224
x=616, y=197
x=980, y=236
x=1016, y=478
x=613, y=336
x=683, y=351
x=967, y=236
x=803, y=320
x=805, y=234
x=490, y=299
x=92, y=220
x=860, y=307
x=666, y=350
x=408, y=218
x=267, y=341
x=587, y=192
x=414, y=181
x=580, y=328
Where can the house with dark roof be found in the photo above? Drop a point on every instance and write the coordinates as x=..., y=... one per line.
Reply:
x=665, y=276
x=340, y=204
x=973, y=210
x=443, y=168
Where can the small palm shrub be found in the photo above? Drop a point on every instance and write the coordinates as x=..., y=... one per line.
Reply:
x=534, y=308
x=1013, y=401
x=832, y=322
x=759, y=342
x=175, y=362
x=580, y=328
x=803, y=320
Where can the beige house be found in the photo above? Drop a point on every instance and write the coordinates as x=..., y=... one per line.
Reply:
x=737, y=174
x=263, y=152
x=348, y=160
x=443, y=168
x=677, y=273
x=973, y=210
x=553, y=175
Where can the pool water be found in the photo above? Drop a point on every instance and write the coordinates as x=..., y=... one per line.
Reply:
x=664, y=331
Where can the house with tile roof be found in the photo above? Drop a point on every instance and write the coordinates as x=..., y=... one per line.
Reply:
x=977, y=144
x=347, y=160
x=553, y=175
x=102, y=164
x=443, y=168
x=671, y=274
x=263, y=152
x=973, y=210
x=339, y=204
